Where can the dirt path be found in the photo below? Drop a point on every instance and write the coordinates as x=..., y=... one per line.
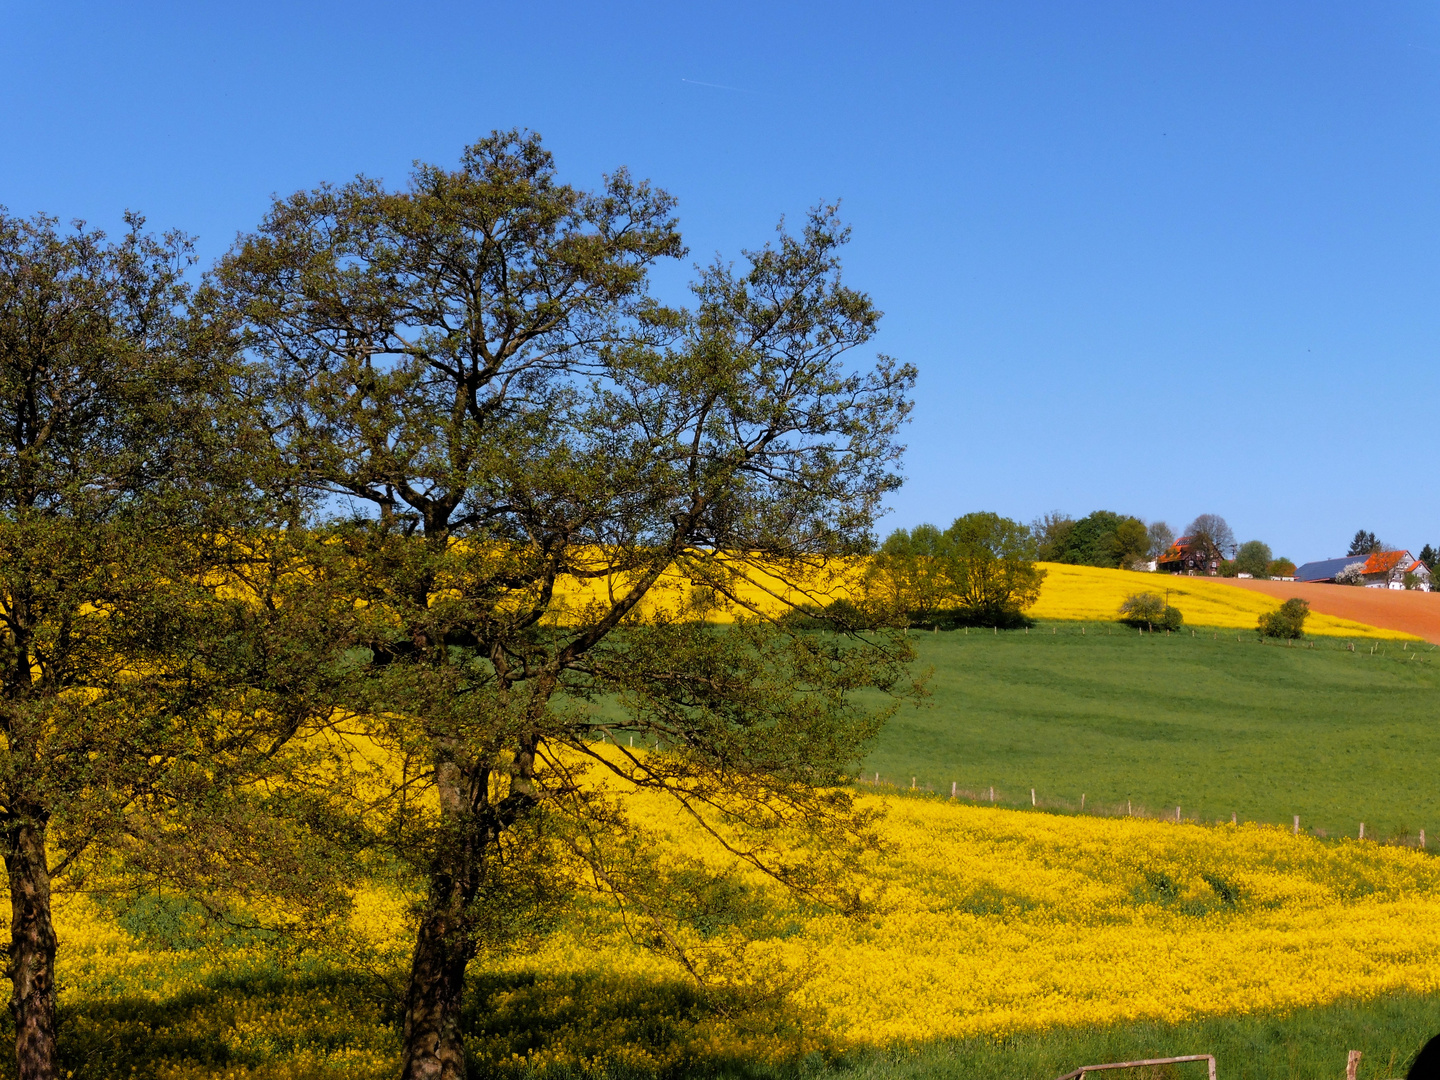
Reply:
x=1415, y=613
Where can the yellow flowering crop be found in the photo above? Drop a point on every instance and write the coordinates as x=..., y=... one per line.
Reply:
x=984, y=921
x=1090, y=592
x=1068, y=592
x=998, y=921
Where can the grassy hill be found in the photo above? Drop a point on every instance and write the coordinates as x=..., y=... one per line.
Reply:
x=1211, y=723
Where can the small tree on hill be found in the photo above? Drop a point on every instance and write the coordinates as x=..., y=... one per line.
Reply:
x=991, y=562
x=1150, y=611
x=1286, y=621
x=911, y=574
x=1161, y=536
x=1281, y=567
x=1212, y=531
x=1253, y=558
x=1365, y=543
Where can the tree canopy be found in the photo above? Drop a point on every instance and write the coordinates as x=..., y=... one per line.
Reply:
x=138, y=694
x=1365, y=543
x=515, y=449
x=979, y=572
x=1102, y=538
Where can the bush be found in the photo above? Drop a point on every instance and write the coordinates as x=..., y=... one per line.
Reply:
x=1286, y=621
x=1281, y=567
x=1354, y=574
x=1150, y=611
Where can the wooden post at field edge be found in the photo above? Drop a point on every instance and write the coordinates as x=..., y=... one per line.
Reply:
x=1352, y=1065
x=1032, y=796
x=1362, y=830
x=1297, y=824
x=952, y=789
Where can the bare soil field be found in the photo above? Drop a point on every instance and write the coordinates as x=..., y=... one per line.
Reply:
x=1415, y=613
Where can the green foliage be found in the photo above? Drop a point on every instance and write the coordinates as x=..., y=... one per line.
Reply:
x=146, y=709
x=1286, y=621
x=1281, y=567
x=978, y=572
x=1365, y=543
x=576, y=430
x=1207, y=722
x=1150, y=611
x=1253, y=557
x=1102, y=538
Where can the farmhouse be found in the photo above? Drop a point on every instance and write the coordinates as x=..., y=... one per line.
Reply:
x=1190, y=556
x=1382, y=570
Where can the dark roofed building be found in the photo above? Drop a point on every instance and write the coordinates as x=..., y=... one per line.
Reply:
x=1187, y=556
x=1381, y=570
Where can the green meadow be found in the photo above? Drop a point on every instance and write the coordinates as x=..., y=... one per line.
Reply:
x=1212, y=721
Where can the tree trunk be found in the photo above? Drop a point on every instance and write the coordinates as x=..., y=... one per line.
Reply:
x=434, y=1043
x=32, y=952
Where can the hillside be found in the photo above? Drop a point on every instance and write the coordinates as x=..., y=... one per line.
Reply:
x=1088, y=592
x=1416, y=613
x=1211, y=723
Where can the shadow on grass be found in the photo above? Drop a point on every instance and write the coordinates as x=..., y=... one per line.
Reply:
x=292, y=1025
x=296, y=1025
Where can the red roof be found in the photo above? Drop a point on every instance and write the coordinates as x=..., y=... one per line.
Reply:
x=1382, y=562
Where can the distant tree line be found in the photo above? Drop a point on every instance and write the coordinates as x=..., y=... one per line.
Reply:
x=1118, y=541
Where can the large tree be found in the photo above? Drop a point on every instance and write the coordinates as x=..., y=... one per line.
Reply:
x=136, y=682
x=1212, y=532
x=548, y=485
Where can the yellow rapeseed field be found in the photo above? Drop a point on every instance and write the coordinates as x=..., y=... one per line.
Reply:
x=1068, y=593
x=986, y=921
x=1000, y=920
x=1090, y=592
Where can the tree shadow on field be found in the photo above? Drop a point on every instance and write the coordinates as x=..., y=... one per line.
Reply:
x=535, y=1025
x=330, y=1023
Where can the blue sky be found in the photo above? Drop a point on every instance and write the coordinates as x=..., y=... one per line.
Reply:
x=1156, y=258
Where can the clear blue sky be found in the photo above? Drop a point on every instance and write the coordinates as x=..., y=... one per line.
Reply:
x=1162, y=259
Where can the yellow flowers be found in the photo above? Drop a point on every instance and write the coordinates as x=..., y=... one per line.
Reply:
x=1088, y=592
x=984, y=921
x=998, y=921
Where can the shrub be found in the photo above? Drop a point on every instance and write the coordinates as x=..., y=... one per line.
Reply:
x=1354, y=574
x=1150, y=611
x=1281, y=567
x=1286, y=621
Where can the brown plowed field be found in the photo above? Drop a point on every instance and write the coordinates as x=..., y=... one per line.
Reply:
x=1415, y=613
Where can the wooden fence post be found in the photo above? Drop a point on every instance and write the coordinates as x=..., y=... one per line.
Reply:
x=1422, y=837
x=1297, y=824
x=1032, y=796
x=1082, y=800
x=1362, y=830
x=1352, y=1065
x=992, y=792
x=952, y=789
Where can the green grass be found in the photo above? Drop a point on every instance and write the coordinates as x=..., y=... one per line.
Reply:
x=1309, y=1044
x=1206, y=722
